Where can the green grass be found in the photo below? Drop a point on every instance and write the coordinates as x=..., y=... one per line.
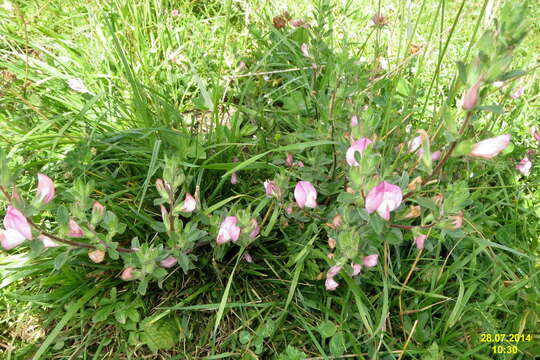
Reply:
x=206, y=111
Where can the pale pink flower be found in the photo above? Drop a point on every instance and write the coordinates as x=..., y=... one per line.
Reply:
x=305, y=50
x=11, y=238
x=98, y=208
x=331, y=284
x=520, y=90
x=305, y=194
x=354, y=121
x=175, y=12
x=419, y=240
x=471, y=96
x=300, y=23
x=356, y=269
x=415, y=144
x=248, y=258
x=384, y=198
x=535, y=134
x=45, y=190
x=241, y=66
x=299, y=164
x=47, y=241
x=189, y=204
x=77, y=85
x=163, y=188
x=228, y=230
x=234, y=178
x=489, y=148
x=74, y=230
x=357, y=146
x=255, y=229
x=289, y=160
x=333, y=271
x=271, y=188
x=436, y=155
x=128, y=274
x=524, y=166
x=97, y=256
x=457, y=220
x=371, y=260
x=168, y=262
x=15, y=220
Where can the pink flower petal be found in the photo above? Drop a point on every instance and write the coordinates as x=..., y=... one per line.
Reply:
x=168, y=262
x=16, y=220
x=331, y=284
x=489, y=148
x=371, y=260
x=45, y=190
x=357, y=146
x=305, y=194
x=11, y=238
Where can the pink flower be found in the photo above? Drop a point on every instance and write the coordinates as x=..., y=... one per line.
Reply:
x=371, y=260
x=333, y=271
x=234, y=178
x=471, y=96
x=436, y=155
x=524, y=166
x=356, y=268
x=228, y=230
x=305, y=50
x=357, y=146
x=289, y=160
x=248, y=258
x=175, y=12
x=518, y=92
x=74, y=230
x=419, y=240
x=271, y=189
x=384, y=198
x=163, y=188
x=128, y=274
x=15, y=220
x=10, y=238
x=97, y=256
x=47, y=241
x=457, y=220
x=189, y=204
x=170, y=261
x=289, y=209
x=535, y=134
x=299, y=164
x=98, y=212
x=415, y=144
x=305, y=194
x=354, y=121
x=255, y=229
x=300, y=23
x=331, y=284
x=77, y=85
x=45, y=190
x=489, y=148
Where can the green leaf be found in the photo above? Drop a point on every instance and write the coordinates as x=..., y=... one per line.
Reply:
x=327, y=329
x=159, y=335
x=492, y=108
x=102, y=314
x=337, y=344
x=244, y=337
x=60, y=260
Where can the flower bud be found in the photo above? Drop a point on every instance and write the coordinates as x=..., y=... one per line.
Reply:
x=163, y=189
x=234, y=178
x=354, y=121
x=331, y=284
x=74, y=230
x=248, y=258
x=289, y=160
x=356, y=269
x=98, y=213
x=97, y=256
x=419, y=240
x=168, y=262
x=255, y=229
x=535, y=134
x=128, y=274
x=470, y=98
